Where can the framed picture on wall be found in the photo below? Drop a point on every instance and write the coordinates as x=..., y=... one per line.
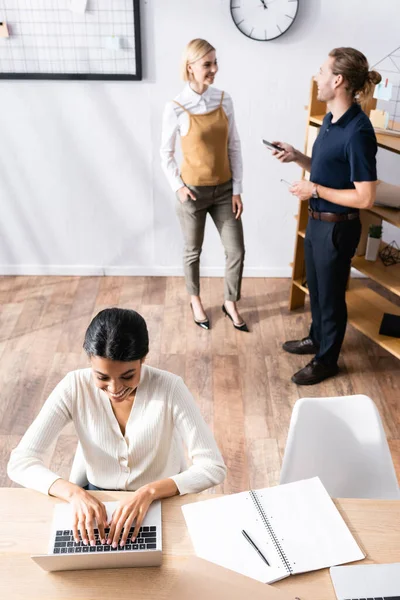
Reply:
x=70, y=39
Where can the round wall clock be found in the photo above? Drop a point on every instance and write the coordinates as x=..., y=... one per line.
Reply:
x=264, y=20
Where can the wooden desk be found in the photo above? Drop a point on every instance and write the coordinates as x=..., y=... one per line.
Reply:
x=25, y=518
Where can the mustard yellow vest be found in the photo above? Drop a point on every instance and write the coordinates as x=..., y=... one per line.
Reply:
x=205, y=148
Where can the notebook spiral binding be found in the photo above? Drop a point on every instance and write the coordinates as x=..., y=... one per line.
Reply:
x=271, y=532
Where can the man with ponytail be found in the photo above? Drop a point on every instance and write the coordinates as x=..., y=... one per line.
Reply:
x=342, y=181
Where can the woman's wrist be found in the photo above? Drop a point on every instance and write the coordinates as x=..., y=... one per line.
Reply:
x=160, y=489
x=65, y=490
x=150, y=490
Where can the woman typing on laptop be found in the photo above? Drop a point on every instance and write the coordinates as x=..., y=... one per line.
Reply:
x=131, y=420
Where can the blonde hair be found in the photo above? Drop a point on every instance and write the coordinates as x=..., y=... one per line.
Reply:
x=195, y=50
x=353, y=66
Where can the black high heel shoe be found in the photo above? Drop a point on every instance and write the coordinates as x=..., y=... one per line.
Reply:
x=242, y=327
x=203, y=324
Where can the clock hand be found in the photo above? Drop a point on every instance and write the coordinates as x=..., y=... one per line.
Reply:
x=263, y=3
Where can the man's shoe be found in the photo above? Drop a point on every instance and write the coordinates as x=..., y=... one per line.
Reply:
x=304, y=346
x=314, y=372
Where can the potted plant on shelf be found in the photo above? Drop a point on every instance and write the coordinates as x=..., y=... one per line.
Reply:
x=373, y=242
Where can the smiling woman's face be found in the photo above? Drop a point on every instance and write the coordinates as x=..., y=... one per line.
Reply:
x=204, y=70
x=118, y=379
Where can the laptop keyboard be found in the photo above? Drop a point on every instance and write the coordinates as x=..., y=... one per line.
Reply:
x=65, y=544
x=378, y=598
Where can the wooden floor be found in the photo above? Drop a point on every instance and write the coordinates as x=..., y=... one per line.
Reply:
x=240, y=381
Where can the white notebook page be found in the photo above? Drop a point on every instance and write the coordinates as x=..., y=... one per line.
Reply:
x=215, y=528
x=309, y=527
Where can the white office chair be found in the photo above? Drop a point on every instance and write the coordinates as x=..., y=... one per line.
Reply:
x=78, y=469
x=342, y=441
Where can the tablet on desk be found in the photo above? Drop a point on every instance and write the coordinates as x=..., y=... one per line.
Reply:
x=367, y=581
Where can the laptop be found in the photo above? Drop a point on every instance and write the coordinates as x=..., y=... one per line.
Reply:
x=368, y=582
x=64, y=554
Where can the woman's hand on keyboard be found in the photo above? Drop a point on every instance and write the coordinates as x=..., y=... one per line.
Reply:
x=85, y=510
x=133, y=509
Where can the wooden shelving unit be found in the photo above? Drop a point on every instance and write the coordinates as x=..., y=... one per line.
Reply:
x=365, y=307
x=389, y=142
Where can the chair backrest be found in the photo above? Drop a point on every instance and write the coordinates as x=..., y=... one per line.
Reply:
x=342, y=441
x=78, y=469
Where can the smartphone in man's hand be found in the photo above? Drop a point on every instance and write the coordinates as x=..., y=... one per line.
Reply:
x=286, y=182
x=272, y=146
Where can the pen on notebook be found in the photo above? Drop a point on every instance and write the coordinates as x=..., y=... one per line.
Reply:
x=248, y=538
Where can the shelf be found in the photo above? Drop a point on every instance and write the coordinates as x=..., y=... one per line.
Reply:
x=388, y=277
x=391, y=215
x=389, y=142
x=297, y=283
x=317, y=119
x=365, y=309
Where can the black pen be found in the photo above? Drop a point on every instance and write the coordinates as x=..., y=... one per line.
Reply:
x=248, y=538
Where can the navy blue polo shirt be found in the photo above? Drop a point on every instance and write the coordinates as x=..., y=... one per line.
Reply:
x=343, y=152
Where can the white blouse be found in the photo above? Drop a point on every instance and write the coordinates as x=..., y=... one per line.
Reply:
x=164, y=416
x=176, y=120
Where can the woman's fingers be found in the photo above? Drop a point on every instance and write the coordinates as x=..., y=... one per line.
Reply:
x=237, y=208
x=112, y=527
x=82, y=529
x=101, y=518
x=118, y=529
x=87, y=527
x=90, y=530
x=184, y=194
x=75, y=529
x=141, y=513
x=190, y=193
x=126, y=529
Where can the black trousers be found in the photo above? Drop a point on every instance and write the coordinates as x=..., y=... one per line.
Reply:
x=329, y=248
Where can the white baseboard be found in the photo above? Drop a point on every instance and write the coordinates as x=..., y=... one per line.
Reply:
x=156, y=271
x=131, y=271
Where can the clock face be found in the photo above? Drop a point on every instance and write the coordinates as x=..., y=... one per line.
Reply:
x=264, y=20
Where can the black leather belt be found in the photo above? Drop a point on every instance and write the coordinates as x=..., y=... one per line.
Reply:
x=332, y=217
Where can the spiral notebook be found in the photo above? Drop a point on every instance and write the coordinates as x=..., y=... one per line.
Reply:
x=295, y=526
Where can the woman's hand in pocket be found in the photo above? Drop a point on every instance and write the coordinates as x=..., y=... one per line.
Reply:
x=184, y=194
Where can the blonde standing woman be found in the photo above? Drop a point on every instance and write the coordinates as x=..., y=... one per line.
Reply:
x=210, y=178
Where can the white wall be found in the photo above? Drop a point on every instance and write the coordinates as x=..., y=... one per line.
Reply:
x=81, y=186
